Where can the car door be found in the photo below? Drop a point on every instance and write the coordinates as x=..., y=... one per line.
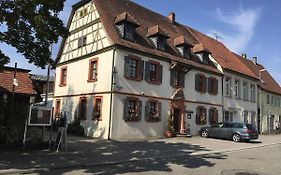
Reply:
x=227, y=130
x=216, y=130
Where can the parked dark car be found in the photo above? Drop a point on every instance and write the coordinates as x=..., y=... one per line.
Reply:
x=235, y=131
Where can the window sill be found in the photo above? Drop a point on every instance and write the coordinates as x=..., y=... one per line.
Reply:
x=62, y=85
x=91, y=81
x=154, y=82
x=132, y=120
x=152, y=119
x=176, y=87
x=134, y=79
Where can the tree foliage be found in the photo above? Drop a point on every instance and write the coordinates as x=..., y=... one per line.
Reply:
x=31, y=26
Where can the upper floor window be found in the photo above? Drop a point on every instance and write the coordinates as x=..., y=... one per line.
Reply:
x=63, y=76
x=153, y=111
x=126, y=26
x=212, y=86
x=83, y=12
x=177, y=78
x=272, y=100
x=157, y=37
x=133, y=68
x=245, y=91
x=200, y=83
x=82, y=41
x=268, y=99
x=201, y=113
x=153, y=72
x=97, y=111
x=213, y=115
x=228, y=116
x=184, y=50
x=253, y=92
x=93, y=70
x=237, y=88
x=82, y=108
x=132, y=109
x=228, y=86
x=204, y=57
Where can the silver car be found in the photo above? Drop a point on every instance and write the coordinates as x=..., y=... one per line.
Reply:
x=235, y=131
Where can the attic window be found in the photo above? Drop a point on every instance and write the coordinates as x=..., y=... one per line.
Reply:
x=157, y=37
x=204, y=57
x=126, y=26
x=185, y=51
x=127, y=31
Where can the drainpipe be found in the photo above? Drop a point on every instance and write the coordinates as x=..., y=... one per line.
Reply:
x=222, y=89
x=111, y=94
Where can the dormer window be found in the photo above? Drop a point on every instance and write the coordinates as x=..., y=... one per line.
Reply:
x=202, y=53
x=183, y=46
x=157, y=37
x=126, y=26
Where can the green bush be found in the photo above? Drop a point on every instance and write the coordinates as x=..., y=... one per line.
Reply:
x=75, y=128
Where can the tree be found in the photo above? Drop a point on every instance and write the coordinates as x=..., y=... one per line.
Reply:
x=31, y=26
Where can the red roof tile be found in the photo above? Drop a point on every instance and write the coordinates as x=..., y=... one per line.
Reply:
x=125, y=17
x=24, y=83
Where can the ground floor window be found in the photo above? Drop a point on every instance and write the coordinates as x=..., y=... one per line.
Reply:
x=82, y=108
x=228, y=116
x=97, y=110
x=153, y=111
x=57, y=109
x=253, y=119
x=270, y=122
x=213, y=115
x=201, y=115
x=245, y=117
x=132, y=109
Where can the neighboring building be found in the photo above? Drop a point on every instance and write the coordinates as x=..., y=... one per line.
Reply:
x=40, y=84
x=122, y=71
x=23, y=89
x=239, y=83
x=268, y=97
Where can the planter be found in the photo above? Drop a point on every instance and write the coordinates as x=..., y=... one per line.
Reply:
x=168, y=134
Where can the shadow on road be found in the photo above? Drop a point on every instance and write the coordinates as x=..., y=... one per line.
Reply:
x=86, y=155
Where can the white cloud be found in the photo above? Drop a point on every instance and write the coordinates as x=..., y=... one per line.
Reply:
x=242, y=25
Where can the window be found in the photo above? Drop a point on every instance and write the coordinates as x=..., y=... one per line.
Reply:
x=201, y=115
x=212, y=86
x=93, y=70
x=272, y=100
x=83, y=12
x=253, y=92
x=228, y=116
x=82, y=108
x=153, y=111
x=159, y=42
x=177, y=78
x=203, y=57
x=228, y=86
x=82, y=41
x=268, y=99
x=127, y=30
x=63, y=76
x=245, y=117
x=253, y=119
x=200, y=83
x=134, y=68
x=184, y=50
x=132, y=109
x=245, y=91
x=213, y=115
x=97, y=111
x=153, y=72
x=237, y=88
x=57, y=109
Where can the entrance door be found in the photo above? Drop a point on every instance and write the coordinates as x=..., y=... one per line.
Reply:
x=176, y=120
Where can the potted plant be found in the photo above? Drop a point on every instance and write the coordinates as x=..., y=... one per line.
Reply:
x=169, y=128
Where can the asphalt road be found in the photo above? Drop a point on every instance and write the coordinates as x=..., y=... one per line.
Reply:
x=257, y=161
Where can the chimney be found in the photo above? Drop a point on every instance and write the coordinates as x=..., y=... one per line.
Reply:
x=255, y=60
x=244, y=55
x=172, y=17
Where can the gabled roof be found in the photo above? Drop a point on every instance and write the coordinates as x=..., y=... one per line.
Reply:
x=266, y=82
x=200, y=48
x=149, y=23
x=180, y=40
x=24, y=82
x=222, y=54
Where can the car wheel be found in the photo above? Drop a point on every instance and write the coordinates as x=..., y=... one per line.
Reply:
x=204, y=134
x=236, y=137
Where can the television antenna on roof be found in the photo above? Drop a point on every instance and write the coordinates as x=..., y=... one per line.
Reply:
x=217, y=36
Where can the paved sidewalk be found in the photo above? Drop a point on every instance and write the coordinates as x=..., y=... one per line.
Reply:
x=89, y=152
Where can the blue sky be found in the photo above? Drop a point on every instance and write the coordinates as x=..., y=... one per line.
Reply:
x=246, y=26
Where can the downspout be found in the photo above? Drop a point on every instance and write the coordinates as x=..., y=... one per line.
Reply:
x=222, y=89
x=111, y=94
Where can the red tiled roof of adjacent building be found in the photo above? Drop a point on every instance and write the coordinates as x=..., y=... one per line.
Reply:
x=266, y=82
x=24, y=83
